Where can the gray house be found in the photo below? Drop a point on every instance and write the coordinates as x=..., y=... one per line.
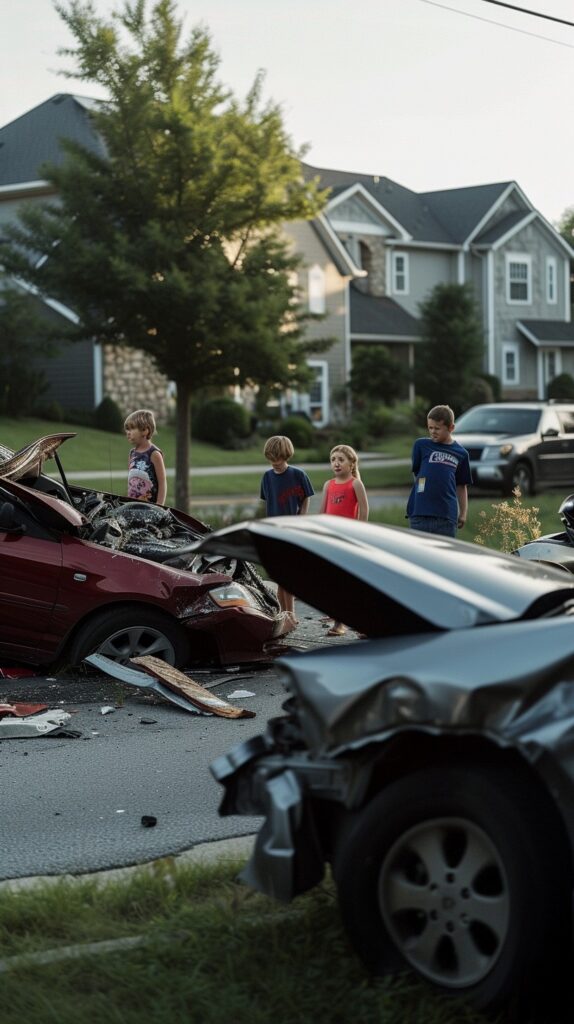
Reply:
x=400, y=244
x=370, y=258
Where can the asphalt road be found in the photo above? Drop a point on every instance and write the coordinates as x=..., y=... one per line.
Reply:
x=74, y=805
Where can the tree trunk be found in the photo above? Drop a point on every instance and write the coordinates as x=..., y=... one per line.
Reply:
x=182, y=444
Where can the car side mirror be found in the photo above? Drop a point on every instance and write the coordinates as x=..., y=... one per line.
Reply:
x=551, y=432
x=9, y=522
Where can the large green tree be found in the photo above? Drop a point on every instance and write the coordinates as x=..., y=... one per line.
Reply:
x=24, y=334
x=450, y=356
x=170, y=242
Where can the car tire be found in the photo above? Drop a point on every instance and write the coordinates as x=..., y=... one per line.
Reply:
x=123, y=633
x=523, y=478
x=460, y=874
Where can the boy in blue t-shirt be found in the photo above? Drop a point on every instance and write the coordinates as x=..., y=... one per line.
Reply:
x=286, y=491
x=438, y=502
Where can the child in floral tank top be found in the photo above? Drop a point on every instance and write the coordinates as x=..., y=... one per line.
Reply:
x=344, y=495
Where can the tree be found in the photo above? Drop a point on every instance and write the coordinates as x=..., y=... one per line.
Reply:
x=170, y=243
x=23, y=335
x=450, y=356
x=376, y=376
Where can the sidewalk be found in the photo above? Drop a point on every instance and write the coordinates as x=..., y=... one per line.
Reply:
x=374, y=461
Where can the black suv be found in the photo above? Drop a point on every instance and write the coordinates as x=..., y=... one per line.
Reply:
x=529, y=445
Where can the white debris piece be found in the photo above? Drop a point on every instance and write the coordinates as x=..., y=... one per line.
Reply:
x=238, y=694
x=34, y=725
x=107, y=710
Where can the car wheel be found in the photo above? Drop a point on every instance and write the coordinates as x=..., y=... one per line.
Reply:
x=523, y=478
x=458, y=874
x=123, y=634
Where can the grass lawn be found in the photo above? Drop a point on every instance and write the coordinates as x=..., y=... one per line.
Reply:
x=214, y=952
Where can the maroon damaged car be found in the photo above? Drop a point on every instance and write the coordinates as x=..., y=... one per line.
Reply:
x=84, y=571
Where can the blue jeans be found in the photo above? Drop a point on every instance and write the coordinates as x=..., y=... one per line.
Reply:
x=433, y=524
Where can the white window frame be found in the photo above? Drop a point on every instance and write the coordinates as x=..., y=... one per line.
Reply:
x=556, y=352
x=551, y=280
x=511, y=348
x=526, y=260
x=316, y=289
x=396, y=256
x=323, y=376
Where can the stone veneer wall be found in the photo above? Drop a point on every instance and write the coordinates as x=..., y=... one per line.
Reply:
x=132, y=379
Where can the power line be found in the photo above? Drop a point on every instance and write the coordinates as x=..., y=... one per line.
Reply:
x=499, y=24
x=535, y=14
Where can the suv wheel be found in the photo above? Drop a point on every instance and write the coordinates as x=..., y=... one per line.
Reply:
x=523, y=478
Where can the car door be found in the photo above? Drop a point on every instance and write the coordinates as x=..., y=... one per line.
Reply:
x=556, y=453
x=30, y=572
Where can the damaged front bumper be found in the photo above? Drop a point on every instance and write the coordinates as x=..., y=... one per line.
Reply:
x=289, y=856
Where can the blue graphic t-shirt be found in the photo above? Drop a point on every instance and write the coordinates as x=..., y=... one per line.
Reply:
x=284, y=493
x=142, y=477
x=439, y=469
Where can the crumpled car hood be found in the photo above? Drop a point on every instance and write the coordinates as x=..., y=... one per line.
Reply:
x=387, y=580
x=15, y=465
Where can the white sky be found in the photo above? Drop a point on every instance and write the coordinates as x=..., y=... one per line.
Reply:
x=429, y=97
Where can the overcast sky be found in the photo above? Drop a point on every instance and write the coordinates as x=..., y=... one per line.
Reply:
x=431, y=97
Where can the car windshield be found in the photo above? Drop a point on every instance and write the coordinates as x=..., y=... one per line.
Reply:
x=492, y=420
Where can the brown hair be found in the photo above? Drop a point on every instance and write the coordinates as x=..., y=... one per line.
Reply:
x=349, y=454
x=441, y=414
x=278, y=447
x=141, y=419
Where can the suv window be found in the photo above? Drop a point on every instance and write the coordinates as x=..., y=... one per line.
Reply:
x=492, y=420
x=566, y=418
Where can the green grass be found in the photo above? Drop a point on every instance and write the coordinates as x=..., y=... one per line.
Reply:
x=217, y=953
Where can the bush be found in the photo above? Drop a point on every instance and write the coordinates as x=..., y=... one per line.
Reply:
x=107, y=416
x=52, y=411
x=495, y=385
x=561, y=387
x=221, y=421
x=379, y=421
x=479, y=393
x=299, y=430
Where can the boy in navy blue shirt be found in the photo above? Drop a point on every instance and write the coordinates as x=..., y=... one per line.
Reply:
x=438, y=502
x=286, y=491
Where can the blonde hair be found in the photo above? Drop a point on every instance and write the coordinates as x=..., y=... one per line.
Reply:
x=351, y=455
x=141, y=419
x=278, y=447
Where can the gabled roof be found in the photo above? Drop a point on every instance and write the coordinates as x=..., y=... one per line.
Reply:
x=405, y=206
x=462, y=209
x=34, y=138
x=380, y=317
x=502, y=227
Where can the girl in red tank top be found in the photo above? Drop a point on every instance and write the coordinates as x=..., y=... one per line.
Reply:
x=344, y=495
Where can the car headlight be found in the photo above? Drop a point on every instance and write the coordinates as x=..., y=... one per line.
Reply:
x=232, y=595
x=496, y=451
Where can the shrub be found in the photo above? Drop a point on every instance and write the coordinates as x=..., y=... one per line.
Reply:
x=495, y=385
x=479, y=392
x=52, y=411
x=509, y=525
x=379, y=421
x=299, y=430
x=107, y=416
x=221, y=421
x=561, y=387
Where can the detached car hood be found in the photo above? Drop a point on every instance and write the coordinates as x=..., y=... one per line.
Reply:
x=387, y=580
x=29, y=460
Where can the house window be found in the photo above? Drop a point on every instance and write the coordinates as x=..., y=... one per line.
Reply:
x=510, y=365
x=316, y=285
x=551, y=278
x=315, y=402
x=518, y=278
x=400, y=273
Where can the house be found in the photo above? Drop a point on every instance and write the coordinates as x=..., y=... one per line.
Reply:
x=370, y=258
x=399, y=244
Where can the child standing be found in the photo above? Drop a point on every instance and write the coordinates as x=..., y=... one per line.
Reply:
x=146, y=469
x=286, y=491
x=438, y=501
x=344, y=495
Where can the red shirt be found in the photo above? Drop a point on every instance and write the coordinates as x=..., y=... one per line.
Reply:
x=341, y=499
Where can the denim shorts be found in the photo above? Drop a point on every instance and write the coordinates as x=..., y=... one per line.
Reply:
x=433, y=524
